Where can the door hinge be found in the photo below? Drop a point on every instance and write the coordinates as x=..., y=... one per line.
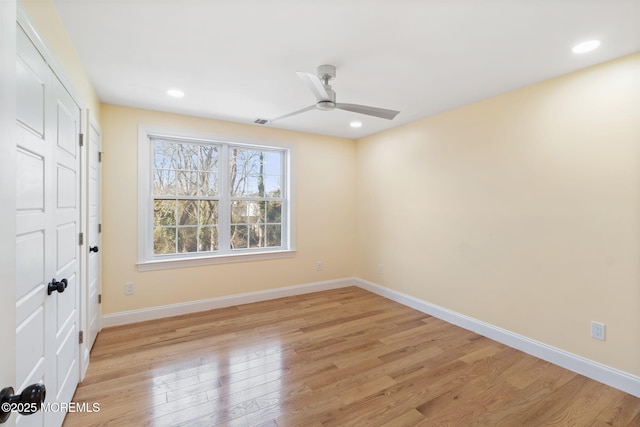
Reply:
x=99, y=298
x=99, y=156
x=81, y=239
x=81, y=139
x=81, y=337
x=99, y=228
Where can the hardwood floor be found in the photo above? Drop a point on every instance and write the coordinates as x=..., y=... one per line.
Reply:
x=344, y=357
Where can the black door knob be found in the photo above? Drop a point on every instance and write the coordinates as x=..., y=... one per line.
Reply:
x=54, y=285
x=93, y=249
x=26, y=403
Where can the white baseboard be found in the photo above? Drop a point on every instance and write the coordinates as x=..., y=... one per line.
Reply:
x=134, y=316
x=594, y=370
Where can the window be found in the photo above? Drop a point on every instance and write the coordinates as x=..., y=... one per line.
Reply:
x=207, y=199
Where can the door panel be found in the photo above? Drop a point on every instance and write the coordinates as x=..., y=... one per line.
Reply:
x=67, y=240
x=30, y=185
x=30, y=104
x=30, y=345
x=67, y=128
x=65, y=307
x=66, y=184
x=66, y=371
x=31, y=271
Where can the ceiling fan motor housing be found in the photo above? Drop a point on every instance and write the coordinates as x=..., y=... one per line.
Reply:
x=327, y=104
x=326, y=72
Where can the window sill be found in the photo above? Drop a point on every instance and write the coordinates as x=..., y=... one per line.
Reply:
x=212, y=260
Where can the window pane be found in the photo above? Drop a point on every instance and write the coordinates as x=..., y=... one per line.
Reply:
x=274, y=235
x=247, y=212
x=274, y=212
x=272, y=186
x=247, y=161
x=187, y=212
x=164, y=182
x=208, y=157
x=255, y=212
x=208, y=239
x=186, y=157
x=238, y=212
x=244, y=169
x=256, y=236
x=187, y=241
x=208, y=212
x=246, y=186
x=164, y=240
x=272, y=161
x=163, y=154
x=186, y=183
x=164, y=212
x=238, y=237
x=208, y=184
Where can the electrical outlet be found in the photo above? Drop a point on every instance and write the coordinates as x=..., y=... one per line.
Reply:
x=598, y=330
x=128, y=288
x=319, y=266
x=380, y=269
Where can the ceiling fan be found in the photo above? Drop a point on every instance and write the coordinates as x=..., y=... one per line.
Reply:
x=326, y=97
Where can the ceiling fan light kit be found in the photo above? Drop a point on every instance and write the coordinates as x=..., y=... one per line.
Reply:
x=326, y=97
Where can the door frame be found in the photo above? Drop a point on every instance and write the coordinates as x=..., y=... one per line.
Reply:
x=8, y=191
x=24, y=21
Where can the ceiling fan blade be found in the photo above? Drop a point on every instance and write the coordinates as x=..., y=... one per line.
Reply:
x=304, y=110
x=370, y=111
x=315, y=85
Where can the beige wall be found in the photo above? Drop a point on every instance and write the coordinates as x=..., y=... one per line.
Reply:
x=47, y=22
x=522, y=211
x=324, y=203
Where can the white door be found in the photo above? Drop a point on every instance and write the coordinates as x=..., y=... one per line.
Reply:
x=94, y=234
x=8, y=200
x=48, y=227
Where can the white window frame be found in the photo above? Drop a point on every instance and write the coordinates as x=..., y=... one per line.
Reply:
x=147, y=260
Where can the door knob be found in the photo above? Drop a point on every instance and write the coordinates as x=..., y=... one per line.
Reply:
x=26, y=403
x=93, y=249
x=54, y=285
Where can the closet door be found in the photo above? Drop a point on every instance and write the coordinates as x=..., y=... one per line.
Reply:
x=48, y=227
x=94, y=236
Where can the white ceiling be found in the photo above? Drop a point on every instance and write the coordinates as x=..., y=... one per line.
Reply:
x=236, y=60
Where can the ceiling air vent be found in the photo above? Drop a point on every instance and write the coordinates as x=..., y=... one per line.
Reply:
x=261, y=121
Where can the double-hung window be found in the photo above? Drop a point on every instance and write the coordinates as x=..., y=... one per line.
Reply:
x=207, y=199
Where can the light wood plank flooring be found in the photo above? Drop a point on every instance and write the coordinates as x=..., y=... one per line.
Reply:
x=344, y=357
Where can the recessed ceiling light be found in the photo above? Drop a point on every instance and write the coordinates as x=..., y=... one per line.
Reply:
x=355, y=124
x=586, y=46
x=176, y=93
